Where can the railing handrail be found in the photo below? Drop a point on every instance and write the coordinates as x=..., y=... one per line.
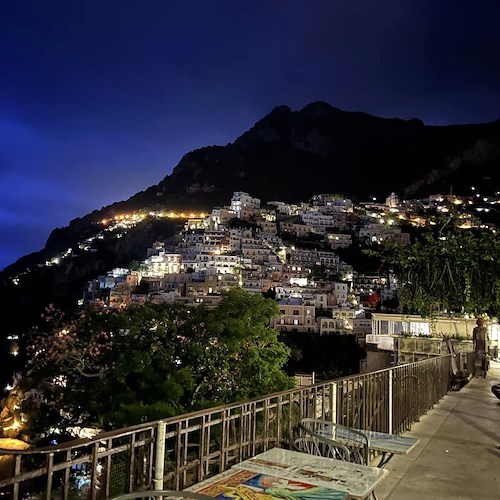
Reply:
x=124, y=431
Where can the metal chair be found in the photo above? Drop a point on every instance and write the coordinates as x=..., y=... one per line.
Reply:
x=322, y=447
x=154, y=494
x=339, y=436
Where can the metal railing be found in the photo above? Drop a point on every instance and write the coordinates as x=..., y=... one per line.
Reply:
x=180, y=451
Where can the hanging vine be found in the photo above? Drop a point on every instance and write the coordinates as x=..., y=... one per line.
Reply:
x=451, y=269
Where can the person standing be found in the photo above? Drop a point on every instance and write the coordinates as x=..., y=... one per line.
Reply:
x=480, y=340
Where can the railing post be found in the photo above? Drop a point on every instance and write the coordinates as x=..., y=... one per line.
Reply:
x=390, y=402
x=160, y=456
x=50, y=473
x=17, y=471
x=333, y=402
x=95, y=463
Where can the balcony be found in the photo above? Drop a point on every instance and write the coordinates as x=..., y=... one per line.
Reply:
x=181, y=451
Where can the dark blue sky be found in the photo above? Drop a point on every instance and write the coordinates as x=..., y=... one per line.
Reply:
x=100, y=99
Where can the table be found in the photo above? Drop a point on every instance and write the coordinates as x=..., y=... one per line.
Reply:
x=389, y=445
x=280, y=473
x=164, y=494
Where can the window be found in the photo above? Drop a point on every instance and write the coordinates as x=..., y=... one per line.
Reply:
x=295, y=312
x=295, y=321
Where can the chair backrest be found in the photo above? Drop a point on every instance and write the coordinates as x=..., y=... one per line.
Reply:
x=165, y=494
x=354, y=440
x=322, y=448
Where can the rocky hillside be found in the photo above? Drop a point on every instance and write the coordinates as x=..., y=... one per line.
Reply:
x=291, y=155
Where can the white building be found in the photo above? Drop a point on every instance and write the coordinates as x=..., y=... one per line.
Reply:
x=221, y=216
x=259, y=253
x=378, y=232
x=340, y=291
x=333, y=203
x=338, y=240
x=342, y=321
x=236, y=236
x=284, y=208
x=311, y=258
x=243, y=204
x=392, y=201
x=163, y=263
x=362, y=326
x=218, y=264
x=318, y=221
x=386, y=326
x=267, y=228
x=295, y=316
x=294, y=227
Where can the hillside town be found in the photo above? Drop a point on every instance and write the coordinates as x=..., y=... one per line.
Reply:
x=289, y=252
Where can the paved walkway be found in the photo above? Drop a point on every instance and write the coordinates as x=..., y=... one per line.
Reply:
x=457, y=457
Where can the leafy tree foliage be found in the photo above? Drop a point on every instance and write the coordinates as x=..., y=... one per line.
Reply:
x=112, y=368
x=452, y=269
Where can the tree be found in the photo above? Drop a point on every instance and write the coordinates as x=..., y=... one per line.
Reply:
x=450, y=269
x=255, y=356
x=110, y=368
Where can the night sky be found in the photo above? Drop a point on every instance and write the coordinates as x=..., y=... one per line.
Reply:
x=100, y=99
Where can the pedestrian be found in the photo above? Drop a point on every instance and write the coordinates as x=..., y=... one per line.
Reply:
x=480, y=340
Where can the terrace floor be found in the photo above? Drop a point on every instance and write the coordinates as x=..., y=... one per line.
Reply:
x=458, y=456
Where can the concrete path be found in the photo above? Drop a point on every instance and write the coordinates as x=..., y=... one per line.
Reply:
x=458, y=456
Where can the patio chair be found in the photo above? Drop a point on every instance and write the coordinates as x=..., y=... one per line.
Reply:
x=322, y=447
x=355, y=441
x=154, y=494
x=460, y=374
